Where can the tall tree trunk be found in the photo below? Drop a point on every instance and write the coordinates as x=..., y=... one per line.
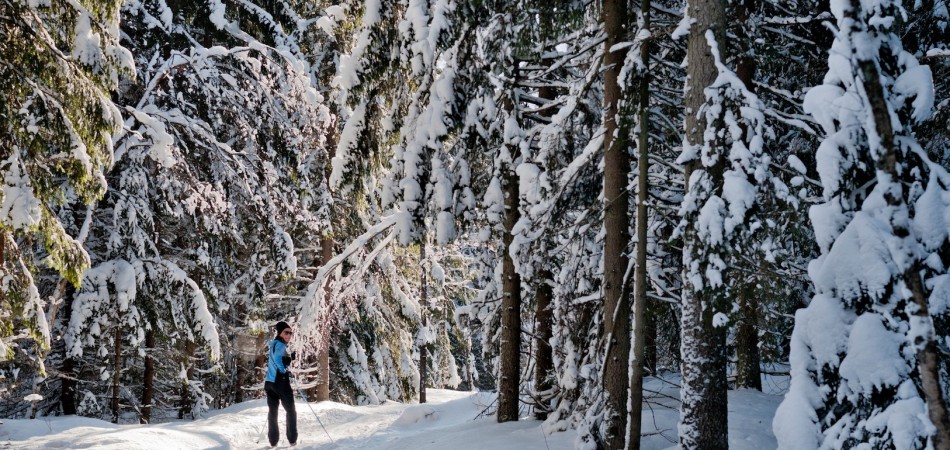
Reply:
x=544, y=359
x=260, y=361
x=423, y=347
x=3, y=261
x=148, y=379
x=616, y=227
x=704, y=414
x=36, y=388
x=509, y=380
x=928, y=363
x=186, y=402
x=544, y=316
x=650, y=334
x=326, y=249
x=67, y=397
x=323, y=356
x=748, y=370
x=116, y=376
x=243, y=370
x=640, y=301
x=927, y=357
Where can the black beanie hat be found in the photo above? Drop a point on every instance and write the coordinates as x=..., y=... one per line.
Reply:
x=281, y=326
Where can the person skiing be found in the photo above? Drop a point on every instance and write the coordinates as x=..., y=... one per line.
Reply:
x=277, y=385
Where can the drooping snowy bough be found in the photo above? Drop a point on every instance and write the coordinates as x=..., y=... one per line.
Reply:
x=863, y=353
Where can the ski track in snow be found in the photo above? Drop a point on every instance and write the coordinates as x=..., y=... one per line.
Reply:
x=392, y=425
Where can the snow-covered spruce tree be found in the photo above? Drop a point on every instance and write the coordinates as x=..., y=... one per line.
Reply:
x=420, y=185
x=420, y=190
x=725, y=163
x=928, y=34
x=225, y=145
x=703, y=392
x=568, y=218
x=664, y=178
x=864, y=358
x=506, y=148
x=773, y=267
x=637, y=359
x=360, y=39
x=58, y=62
x=532, y=52
x=769, y=282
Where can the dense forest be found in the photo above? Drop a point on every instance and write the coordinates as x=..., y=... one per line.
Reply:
x=553, y=200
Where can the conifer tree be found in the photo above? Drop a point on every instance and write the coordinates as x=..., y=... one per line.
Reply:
x=725, y=164
x=59, y=62
x=864, y=356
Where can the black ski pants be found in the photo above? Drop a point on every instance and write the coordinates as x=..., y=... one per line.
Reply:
x=280, y=392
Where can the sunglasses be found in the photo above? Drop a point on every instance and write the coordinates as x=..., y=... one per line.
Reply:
x=287, y=332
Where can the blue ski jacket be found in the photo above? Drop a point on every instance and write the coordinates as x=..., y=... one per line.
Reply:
x=276, y=362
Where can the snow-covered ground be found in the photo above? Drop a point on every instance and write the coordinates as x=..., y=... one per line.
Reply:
x=449, y=421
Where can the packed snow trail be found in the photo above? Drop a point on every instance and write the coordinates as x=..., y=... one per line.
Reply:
x=448, y=421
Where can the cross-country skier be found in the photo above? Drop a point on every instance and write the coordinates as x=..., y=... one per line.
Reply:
x=277, y=385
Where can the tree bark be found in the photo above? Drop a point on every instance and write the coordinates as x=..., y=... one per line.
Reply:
x=3, y=261
x=748, y=369
x=509, y=380
x=928, y=363
x=544, y=317
x=703, y=415
x=927, y=357
x=616, y=227
x=260, y=361
x=423, y=347
x=148, y=379
x=544, y=359
x=650, y=336
x=68, y=396
x=186, y=403
x=640, y=300
x=118, y=371
x=323, y=356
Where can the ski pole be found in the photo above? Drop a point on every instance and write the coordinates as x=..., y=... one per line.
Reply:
x=304, y=398
x=260, y=434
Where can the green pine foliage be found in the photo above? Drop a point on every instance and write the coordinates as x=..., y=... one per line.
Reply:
x=59, y=63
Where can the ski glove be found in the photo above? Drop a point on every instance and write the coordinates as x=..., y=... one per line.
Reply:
x=287, y=358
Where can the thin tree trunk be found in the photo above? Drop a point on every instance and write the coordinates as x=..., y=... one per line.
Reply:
x=927, y=357
x=649, y=338
x=544, y=317
x=643, y=195
x=928, y=363
x=67, y=397
x=423, y=347
x=186, y=404
x=703, y=414
x=323, y=356
x=116, y=376
x=260, y=361
x=148, y=379
x=326, y=249
x=748, y=370
x=3, y=261
x=509, y=382
x=36, y=390
x=544, y=362
x=617, y=228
